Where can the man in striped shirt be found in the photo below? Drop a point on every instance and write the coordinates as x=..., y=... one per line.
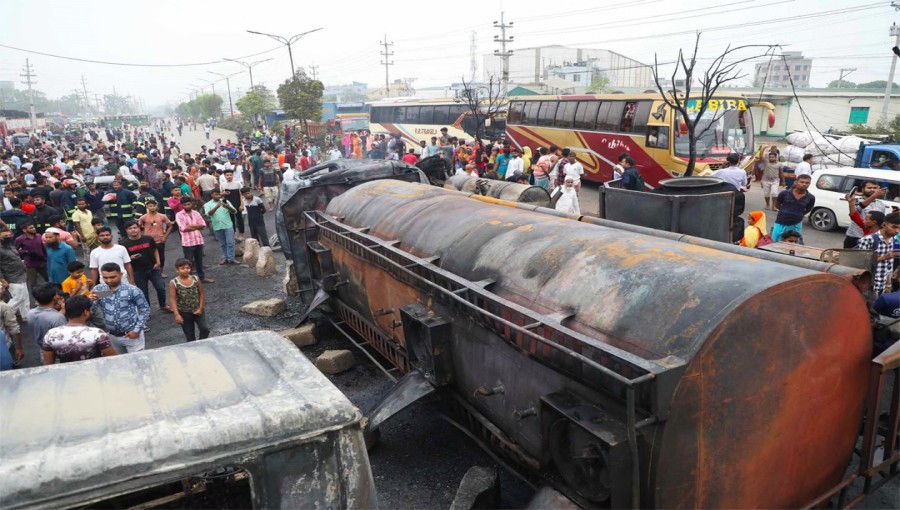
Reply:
x=190, y=224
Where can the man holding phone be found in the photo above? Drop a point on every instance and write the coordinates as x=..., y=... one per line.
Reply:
x=865, y=204
x=219, y=211
x=125, y=311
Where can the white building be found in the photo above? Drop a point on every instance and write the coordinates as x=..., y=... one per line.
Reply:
x=530, y=65
x=778, y=73
x=355, y=91
x=837, y=109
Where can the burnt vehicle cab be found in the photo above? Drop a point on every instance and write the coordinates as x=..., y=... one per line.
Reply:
x=244, y=418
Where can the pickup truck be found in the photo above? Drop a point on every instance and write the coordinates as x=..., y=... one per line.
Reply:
x=878, y=155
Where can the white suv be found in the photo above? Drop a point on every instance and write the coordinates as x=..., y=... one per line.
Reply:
x=830, y=185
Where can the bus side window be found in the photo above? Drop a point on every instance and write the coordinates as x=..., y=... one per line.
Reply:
x=530, y=112
x=586, y=114
x=658, y=137
x=426, y=115
x=547, y=113
x=628, y=117
x=565, y=113
x=513, y=116
x=610, y=115
x=641, y=117
x=442, y=115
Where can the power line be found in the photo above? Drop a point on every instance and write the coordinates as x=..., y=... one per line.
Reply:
x=127, y=64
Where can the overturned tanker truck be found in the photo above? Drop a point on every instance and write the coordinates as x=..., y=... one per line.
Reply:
x=622, y=366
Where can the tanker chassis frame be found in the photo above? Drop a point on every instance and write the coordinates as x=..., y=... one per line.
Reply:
x=644, y=386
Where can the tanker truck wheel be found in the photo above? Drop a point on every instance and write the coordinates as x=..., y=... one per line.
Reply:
x=580, y=460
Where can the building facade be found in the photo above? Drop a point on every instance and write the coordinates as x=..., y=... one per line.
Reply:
x=778, y=73
x=533, y=65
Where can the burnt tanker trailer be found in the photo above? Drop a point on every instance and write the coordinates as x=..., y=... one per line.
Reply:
x=626, y=370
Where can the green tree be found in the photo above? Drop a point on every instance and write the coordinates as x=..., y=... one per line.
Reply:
x=841, y=84
x=599, y=85
x=209, y=106
x=877, y=84
x=256, y=103
x=301, y=98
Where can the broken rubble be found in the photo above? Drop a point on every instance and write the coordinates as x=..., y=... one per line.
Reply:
x=265, y=308
x=334, y=362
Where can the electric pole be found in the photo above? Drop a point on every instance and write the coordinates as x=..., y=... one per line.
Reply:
x=228, y=84
x=86, y=105
x=387, y=62
x=473, y=56
x=29, y=74
x=845, y=71
x=502, y=53
x=312, y=69
x=249, y=66
x=895, y=31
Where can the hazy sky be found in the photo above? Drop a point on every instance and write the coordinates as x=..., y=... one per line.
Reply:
x=431, y=39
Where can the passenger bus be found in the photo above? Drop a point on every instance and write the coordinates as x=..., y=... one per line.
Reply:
x=420, y=119
x=598, y=128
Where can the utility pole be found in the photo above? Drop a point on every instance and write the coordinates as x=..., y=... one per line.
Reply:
x=86, y=105
x=97, y=100
x=387, y=62
x=502, y=53
x=312, y=69
x=228, y=84
x=473, y=56
x=845, y=71
x=895, y=31
x=29, y=74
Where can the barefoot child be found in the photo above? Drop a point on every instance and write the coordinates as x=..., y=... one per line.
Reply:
x=187, y=301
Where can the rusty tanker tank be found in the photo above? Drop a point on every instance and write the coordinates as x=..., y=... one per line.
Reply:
x=626, y=370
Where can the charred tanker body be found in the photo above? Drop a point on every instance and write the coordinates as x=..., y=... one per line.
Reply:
x=626, y=370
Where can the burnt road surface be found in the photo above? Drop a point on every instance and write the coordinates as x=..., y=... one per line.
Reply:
x=421, y=458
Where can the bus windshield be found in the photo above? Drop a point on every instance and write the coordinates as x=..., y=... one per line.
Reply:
x=357, y=124
x=720, y=131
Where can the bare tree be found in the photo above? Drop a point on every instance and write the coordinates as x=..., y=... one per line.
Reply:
x=485, y=102
x=723, y=69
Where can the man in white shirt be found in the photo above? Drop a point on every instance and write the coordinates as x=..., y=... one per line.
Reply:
x=109, y=252
x=515, y=166
x=733, y=174
x=804, y=168
x=575, y=170
x=334, y=153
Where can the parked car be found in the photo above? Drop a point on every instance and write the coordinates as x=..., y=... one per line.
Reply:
x=831, y=185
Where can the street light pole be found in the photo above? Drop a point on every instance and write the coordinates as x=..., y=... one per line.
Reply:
x=228, y=84
x=249, y=66
x=288, y=42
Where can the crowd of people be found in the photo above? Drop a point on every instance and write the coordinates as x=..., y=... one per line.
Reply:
x=59, y=217
x=85, y=223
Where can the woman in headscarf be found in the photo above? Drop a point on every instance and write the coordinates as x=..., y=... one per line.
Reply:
x=526, y=156
x=756, y=230
x=568, y=200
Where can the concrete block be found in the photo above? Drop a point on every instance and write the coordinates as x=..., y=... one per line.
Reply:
x=334, y=362
x=480, y=488
x=301, y=336
x=290, y=285
x=251, y=252
x=265, y=308
x=265, y=266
